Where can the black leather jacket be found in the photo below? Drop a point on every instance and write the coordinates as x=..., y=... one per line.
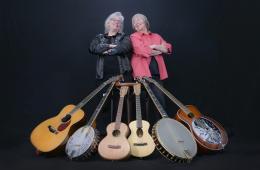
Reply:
x=123, y=49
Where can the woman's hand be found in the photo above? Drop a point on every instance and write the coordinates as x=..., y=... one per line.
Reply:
x=155, y=52
x=112, y=45
x=160, y=48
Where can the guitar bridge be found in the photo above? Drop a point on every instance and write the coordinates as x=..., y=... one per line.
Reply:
x=114, y=146
x=140, y=144
x=52, y=129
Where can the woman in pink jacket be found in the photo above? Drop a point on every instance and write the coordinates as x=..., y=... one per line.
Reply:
x=148, y=48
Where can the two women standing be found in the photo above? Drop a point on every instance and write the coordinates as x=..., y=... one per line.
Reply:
x=144, y=49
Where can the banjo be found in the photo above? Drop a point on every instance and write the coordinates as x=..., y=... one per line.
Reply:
x=209, y=134
x=84, y=141
x=172, y=139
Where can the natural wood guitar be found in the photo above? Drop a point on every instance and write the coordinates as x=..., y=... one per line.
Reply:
x=115, y=145
x=141, y=142
x=54, y=132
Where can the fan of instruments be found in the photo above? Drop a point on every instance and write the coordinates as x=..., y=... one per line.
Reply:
x=177, y=138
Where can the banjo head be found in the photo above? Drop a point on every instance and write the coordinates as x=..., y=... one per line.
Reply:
x=176, y=140
x=80, y=142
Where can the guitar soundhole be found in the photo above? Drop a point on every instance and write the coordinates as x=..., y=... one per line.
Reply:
x=207, y=131
x=116, y=133
x=139, y=132
x=63, y=126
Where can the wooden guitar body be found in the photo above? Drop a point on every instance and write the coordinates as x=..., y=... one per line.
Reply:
x=115, y=145
x=209, y=134
x=53, y=132
x=141, y=142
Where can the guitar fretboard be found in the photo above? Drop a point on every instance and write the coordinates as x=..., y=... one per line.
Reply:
x=167, y=93
x=119, y=113
x=100, y=105
x=154, y=99
x=138, y=112
x=92, y=94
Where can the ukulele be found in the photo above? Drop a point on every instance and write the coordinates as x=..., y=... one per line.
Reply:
x=209, y=134
x=115, y=145
x=54, y=132
x=140, y=140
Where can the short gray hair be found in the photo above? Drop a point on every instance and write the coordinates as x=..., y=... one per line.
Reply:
x=110, y=17
x=144, y=18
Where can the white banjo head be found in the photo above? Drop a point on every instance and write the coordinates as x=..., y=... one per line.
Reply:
x=80, y=142
x=175, y=138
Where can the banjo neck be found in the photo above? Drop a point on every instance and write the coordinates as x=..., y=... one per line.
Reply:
x=154, y=99
x=185, y=109
x=100, y=105
x=90, y=96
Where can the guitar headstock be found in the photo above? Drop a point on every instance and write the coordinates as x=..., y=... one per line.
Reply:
x=137, y=89
x=150, y=80
x=123, y=91
x=113, y=79
x=140, y=79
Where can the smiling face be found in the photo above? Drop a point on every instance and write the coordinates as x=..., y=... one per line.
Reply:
x=140, y=23
x=114, y=24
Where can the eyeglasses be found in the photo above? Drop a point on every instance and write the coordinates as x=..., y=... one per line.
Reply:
x=138, y=23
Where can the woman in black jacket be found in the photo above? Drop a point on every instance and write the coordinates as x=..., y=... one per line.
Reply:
x=112, y=49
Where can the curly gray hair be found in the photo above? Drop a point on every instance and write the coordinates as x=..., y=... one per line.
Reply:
x=112, y=16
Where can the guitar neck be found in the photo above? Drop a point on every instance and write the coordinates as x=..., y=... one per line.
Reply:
x=119, y=113
x=93, y=93
x=138, y=112
x=168, y=94
x=100, y=105
x=154, y=99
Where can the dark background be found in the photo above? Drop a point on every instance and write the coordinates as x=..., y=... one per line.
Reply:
x=45, y=63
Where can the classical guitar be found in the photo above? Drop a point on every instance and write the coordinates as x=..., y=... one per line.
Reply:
x=209, y=134
x=141, y=142
x=83, y=143
x=115, y=145
x=172, y=139
x=53, y=133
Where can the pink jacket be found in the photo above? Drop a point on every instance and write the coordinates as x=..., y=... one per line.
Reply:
x=141, y=54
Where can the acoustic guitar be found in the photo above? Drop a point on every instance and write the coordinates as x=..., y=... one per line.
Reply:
x=115, y=145
x=210, y=135
x=141, y=142
x=52, y=134
x=172, y=139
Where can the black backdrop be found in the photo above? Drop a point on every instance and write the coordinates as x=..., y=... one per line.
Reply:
x=45, y=63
